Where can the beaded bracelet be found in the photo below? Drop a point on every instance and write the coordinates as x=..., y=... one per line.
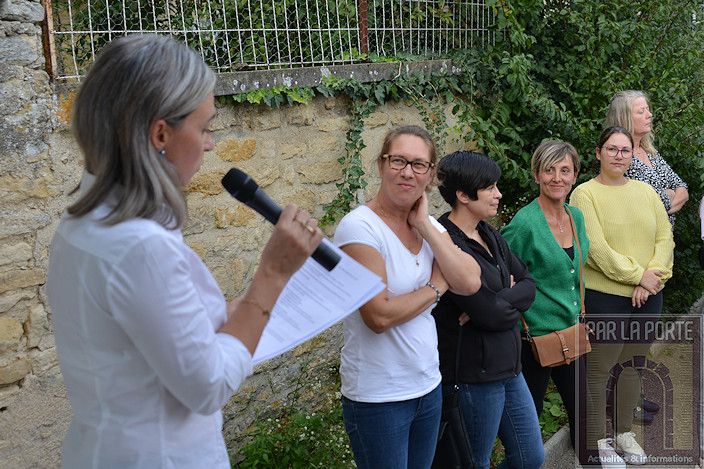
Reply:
x=437, y=292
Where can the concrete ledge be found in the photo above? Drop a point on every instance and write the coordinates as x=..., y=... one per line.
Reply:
x=558, y=451
x=246, y=81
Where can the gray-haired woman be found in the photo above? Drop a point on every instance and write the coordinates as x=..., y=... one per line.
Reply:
x=148, y=347
x=630, y=109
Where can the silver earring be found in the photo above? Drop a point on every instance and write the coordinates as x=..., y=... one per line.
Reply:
x=162, y=152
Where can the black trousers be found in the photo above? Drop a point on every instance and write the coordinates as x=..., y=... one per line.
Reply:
x=564, y=377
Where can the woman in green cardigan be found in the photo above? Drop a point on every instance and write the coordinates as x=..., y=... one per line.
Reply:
x=541, y=235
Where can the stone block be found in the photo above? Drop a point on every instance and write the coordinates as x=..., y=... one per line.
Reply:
x=263, y=174
x=293, y=149
x=14, y=95
x=44, y=363
x=16, y=279
x=14, y=222
x=239, y=215
x=376, y=119
x=340, y=124
x=232, y=116
x=9, y=299
x=398, y=119
x=328, y=147
x=235, y=150
x=22, y=10
x=10, y=333
x=199, y=218
x=206, y=182
x=320, y=173
x=199, y=249
x=240, y=270
x=266, y=119
x=220, y=275
x=7, y=395
x=17, y=189
x=15, y=371
x=289, y=175
x=37, y=325
x=61, y=108
x=15, y=254
x=299, y=115
x=305, y=199
x=20, y=50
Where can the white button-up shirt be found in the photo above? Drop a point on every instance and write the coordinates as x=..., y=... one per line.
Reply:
x=135, y=314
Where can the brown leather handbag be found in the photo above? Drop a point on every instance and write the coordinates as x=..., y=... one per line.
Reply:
x=564, y=346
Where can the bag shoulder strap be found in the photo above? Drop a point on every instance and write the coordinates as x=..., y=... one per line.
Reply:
x=581, y=273
x=458, y=354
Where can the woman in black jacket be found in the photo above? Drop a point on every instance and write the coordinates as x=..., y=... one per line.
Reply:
x=494, y=397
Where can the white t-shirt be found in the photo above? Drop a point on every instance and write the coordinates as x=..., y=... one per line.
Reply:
x=401, y=363
x=136, y=315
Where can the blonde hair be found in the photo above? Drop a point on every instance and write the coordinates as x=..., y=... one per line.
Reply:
x=551, y=152
x=136, y=81
x=415, y=131
x=620, y=114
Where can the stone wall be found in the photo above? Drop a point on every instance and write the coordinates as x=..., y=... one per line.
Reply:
x=291, y=152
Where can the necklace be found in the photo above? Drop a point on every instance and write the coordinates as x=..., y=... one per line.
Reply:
x=559, y=223
x=415, y=234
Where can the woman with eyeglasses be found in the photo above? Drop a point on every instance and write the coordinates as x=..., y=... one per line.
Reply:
x=631, y=109
x=391, y=395
x=630, y=259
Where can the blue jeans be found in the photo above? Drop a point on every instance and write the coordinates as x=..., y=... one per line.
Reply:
x=504, y=408
x=394, y=435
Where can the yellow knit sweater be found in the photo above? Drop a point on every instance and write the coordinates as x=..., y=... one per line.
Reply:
x=628, y=232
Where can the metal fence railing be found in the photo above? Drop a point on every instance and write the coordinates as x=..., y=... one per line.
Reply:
x=263, y=34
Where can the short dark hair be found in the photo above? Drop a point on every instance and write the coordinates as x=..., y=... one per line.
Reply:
x=467, y=171
x=609, y=131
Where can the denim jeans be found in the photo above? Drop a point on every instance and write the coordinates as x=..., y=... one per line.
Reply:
x=394, y=435
x=504, y=408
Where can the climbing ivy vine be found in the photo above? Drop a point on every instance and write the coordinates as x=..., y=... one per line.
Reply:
x=428, y=93
x=550, y=74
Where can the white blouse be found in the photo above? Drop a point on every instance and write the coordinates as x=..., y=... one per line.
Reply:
x=136, y=315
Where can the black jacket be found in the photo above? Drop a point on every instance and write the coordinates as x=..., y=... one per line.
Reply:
x=491, y=340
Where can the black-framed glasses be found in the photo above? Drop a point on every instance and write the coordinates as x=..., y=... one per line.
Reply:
x=613, y=151
x=399, y=163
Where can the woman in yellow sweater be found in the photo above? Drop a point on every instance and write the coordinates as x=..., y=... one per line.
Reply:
x=630, y=259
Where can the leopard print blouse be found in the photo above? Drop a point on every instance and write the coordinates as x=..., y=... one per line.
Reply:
x=661, y=176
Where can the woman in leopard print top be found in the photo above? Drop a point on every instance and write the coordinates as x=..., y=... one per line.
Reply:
x=630, y=109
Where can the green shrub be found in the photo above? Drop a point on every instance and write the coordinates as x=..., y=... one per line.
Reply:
x=300, y=440
x=554, y=415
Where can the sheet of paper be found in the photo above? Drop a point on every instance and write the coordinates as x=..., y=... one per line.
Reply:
x=313, y=300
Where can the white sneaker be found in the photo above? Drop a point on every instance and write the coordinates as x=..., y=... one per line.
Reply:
x=630, y=449
x=608, y=457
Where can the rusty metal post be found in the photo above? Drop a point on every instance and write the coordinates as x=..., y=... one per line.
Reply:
x=48, y=39
x=363, y=25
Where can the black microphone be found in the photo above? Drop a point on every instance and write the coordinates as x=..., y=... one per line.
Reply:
x=243, y=188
